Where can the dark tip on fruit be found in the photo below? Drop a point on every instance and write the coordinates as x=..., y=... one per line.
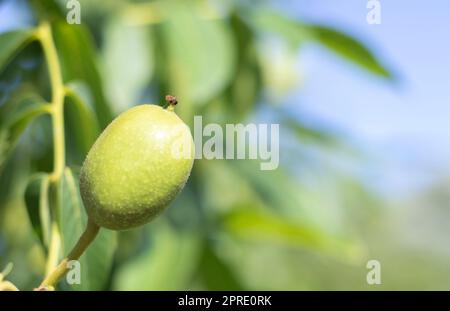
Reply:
x=171, y=100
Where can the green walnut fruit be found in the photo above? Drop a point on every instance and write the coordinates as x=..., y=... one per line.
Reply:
x=136, y=167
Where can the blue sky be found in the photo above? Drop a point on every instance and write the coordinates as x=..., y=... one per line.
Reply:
x=406, y=126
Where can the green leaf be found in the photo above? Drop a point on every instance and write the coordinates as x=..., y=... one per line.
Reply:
x=96, y=262
x=168, y=264
x=128, y=62
x=37, y=203
x=221, y=188
x=344, y=45
x=291, y=30
x=290, y=195
x=11, y=43
x=76, y=52
x=263, y=184
x=349, y=48
x=200, y=54
x=246, y=83
x=81, y=126
x=49, y=9
x=259, y=225
x=15, y=118
x=310, y=133
x=215, y=273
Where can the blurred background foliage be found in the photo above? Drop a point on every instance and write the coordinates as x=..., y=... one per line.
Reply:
x=310, y=224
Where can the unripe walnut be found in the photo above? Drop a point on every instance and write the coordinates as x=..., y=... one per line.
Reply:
x=136, y=167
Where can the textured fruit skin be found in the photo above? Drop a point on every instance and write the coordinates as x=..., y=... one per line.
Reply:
x=130, y=174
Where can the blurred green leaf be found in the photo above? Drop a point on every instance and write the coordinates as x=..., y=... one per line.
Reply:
x=267, y=185
x=346, y=46
x=96, y=262
x=128, y=62
x=37, y=203
x=14, y=119
x=269, y=227
x=246, y=83
x=168, y=264
x=309, y=198
x=11, y=43
x=349, y=48
x=222, y=188
x=308, y=133
x=291, y=30
x=200, y=54
x=78, y=60
x=215, y=273
x=81, y=126
x=49, y=9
